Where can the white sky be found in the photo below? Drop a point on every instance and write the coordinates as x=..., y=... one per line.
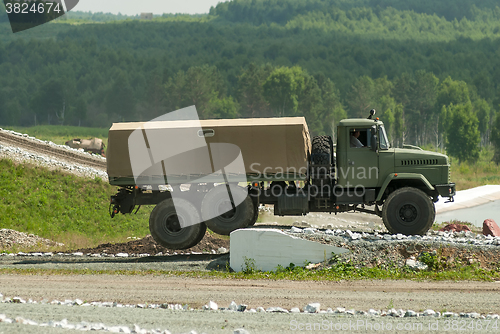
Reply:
x=133, y=7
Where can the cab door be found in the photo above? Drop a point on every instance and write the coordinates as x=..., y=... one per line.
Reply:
x=362, y=162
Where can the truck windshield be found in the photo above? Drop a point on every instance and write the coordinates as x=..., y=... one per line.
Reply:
x=384, y=143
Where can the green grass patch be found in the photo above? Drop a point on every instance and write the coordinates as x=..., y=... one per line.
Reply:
x=473, y=174
x=63, y=207
x=338, y=272
x=59, y=134
x=484, y=171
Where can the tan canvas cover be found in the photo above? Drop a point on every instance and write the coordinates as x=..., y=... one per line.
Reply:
x=268, y=145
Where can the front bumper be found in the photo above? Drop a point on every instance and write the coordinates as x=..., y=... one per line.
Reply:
x=446, y=190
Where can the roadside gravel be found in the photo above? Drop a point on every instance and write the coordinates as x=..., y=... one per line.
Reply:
x=454, y=249
x=11, y=238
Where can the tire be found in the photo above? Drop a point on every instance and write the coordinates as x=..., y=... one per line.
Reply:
x=165, y=227
x=408, y=211
x=219, y=214
x=321, y=150
x=255, y=216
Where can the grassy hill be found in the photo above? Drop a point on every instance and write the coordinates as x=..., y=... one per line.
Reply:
x=63, y=207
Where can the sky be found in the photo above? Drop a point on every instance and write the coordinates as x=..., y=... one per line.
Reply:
x=133, y=7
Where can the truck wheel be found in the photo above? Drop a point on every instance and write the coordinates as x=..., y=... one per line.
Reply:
x=165, y=224
x=255, y=215
x=408, y=211
x=321, y=150
x=219, y=214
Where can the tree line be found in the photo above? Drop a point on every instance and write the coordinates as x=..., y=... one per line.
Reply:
x=282, y=11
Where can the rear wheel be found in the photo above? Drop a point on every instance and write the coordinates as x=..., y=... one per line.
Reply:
x=219, y=213
x=166, y=221
x=255, y=215
x=408, y=211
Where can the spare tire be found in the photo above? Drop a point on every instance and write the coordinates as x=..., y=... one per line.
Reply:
x=321, y=152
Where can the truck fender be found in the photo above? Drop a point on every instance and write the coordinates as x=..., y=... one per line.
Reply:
x=402, y=176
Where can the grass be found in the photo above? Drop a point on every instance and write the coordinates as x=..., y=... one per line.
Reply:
x=59, y=134
x=337, y=272
x=468, y=175
x=63, y=207
x=473, y=174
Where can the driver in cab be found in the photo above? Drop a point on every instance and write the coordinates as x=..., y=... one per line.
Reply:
x=355, y=142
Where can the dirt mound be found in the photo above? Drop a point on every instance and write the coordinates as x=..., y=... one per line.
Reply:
x=147, y=245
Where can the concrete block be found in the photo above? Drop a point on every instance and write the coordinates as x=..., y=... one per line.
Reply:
x=491, y=228
x=269, y=248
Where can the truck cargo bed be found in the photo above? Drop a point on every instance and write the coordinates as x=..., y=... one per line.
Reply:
x=176, y=152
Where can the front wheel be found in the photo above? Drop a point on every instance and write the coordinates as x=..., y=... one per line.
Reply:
x=408, y=211
x=176, y=227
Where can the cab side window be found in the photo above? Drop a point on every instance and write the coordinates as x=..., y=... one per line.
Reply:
x=359, y=138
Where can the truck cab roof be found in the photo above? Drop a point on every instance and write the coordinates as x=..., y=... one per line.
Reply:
x=360, y=122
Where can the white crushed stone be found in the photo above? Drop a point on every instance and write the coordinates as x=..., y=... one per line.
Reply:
x=312, y=308
x=464, y=237
x=10, y=238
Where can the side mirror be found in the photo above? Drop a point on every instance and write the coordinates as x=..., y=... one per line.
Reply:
x=374, y=138
x=372, y=113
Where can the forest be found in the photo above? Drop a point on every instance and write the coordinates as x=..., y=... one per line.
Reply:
x=431, y=69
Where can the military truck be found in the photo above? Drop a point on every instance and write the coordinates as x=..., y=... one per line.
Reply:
x=92, y=145
x=280, y=166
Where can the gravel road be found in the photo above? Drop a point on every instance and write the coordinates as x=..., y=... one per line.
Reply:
x=482, y=297
x=359, y=295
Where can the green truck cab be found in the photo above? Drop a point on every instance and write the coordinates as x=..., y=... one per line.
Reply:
x=283, y=167
x=404, y=181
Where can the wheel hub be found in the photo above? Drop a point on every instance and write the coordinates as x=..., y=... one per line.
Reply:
x=226, y=209
x=172, y=224
x=408, y=213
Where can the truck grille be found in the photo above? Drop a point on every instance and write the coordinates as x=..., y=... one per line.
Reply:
x=414, y=162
